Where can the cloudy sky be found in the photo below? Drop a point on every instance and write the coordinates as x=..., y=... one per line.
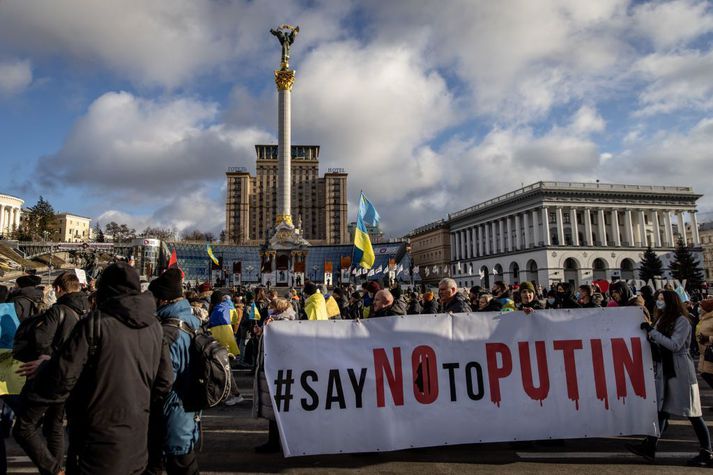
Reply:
x=131, y=111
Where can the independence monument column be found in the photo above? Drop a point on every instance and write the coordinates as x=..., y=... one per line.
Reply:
x=284, y=79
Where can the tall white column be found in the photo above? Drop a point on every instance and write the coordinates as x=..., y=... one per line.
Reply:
x=2, y=219
x=481, y=241
x=463, y=248
x=518, y=234
x=657, y=229
x=615, y=227
x=468, y=244
x=694, y=228
x=602, y=227
x=682, y=227
x=668, y=225
x=494, y=231
x=453, y=246
x=560, y=226
x=284, y=164
x=486, y=228
x=535, y=230
x=574, y=226
x=642, y=228
x=508, y=221
x=546, y=227
x=588, y=227
x=502, y=235
x=526, y=226
x=628, y=231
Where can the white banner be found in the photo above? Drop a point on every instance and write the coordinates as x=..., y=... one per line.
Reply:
x=418, y=381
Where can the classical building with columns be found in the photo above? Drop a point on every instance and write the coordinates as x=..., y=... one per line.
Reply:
x=431, y=249
x=10, y=212
x=552, y=232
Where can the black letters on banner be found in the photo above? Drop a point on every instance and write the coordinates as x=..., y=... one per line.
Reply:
x=311, y=406
x=451, y=367
x=357, y=385
x=335, y=382
x=469, y=380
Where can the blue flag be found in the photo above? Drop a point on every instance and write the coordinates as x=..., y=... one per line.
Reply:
x=363, y=251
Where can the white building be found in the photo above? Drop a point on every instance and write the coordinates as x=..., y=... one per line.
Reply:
x=551, y=232
x=10, y=211
x=72, y=227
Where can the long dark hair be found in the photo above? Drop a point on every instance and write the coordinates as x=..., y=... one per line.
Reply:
x=666, y=318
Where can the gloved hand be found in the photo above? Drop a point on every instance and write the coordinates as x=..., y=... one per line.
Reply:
x=646, y=326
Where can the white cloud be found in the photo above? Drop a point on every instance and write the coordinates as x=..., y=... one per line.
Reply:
x=676, y=81
x=15, y=76
x=142, y=147
x=672, y=23
x=587, y=120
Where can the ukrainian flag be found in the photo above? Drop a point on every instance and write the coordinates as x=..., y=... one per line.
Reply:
x=363, y=252
x=211, y=255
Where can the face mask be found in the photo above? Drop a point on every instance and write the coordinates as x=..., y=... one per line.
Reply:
x=551, y=301
x=660, y=304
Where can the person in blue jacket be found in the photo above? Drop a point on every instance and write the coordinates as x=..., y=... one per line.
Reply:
x=173, y=431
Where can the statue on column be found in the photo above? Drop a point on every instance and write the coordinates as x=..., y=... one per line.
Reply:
x=286, y=34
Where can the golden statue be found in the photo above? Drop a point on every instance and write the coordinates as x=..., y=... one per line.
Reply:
x=286, y=34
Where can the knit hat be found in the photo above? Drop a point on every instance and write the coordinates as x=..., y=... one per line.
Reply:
x=707, y=305
x=28, y=281
x=168, y=286
x=117, y=280
x=527, y=286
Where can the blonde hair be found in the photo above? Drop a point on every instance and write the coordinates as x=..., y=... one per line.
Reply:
x=280, y=304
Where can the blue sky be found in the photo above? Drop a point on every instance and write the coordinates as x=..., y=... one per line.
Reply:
x=131, y=111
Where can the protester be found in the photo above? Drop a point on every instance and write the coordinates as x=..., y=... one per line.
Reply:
x=315, y=305
x=114, y=363
x=704, y=335
x=280, y=309
x=414, y=305
x=173, y=431
x=342, y=301
x=44, y=339
x=675, y=376
x=383, y=304
x=586, y=297
x=451, y=300
x=399, y=307
x=624, y=297
x=564, y=297
x=333, y=311
x=502, y=295
x=223, y=317
x=430, y=306
x=528, y=302
x=27, y=297
x=474, y=296
x=356, y=306
x=486, y=303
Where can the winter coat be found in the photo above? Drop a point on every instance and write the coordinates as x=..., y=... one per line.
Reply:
x=51, y=334
x=315, y=307
x=430, y=307
x=181, y=430
x=457, y=304
x=705, y=328
x=400, y=307
x=108, y=399
x=220, y=324
x=565, y=300
x=414, y=307
x=677, y=395
x=535, y=305
x=29, y=301
x=262, y=402
x=356, y=310
x=493, y=306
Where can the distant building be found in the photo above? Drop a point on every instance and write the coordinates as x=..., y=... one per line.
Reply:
x=706, y=233
x=431, y=251
x=10, y=212
x=73, y=228
x=319, y=204
x=374, y=232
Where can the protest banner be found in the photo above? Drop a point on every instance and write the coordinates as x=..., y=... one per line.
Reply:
x=418, y=381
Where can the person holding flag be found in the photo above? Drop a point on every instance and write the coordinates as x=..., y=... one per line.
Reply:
x=363, y=253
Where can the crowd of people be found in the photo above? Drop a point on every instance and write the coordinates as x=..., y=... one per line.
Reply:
x=113, y=357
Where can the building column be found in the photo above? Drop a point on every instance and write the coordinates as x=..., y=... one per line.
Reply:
x=682, y=227
x=508, y=221
x=468, y=252
x=668, y=225
x=602, y=228
x=657, y=231
x=518, y=234
x=560, y=226
x=628, y=231
x=463, y=249
x=526, y=227
x=694, y=228
x=615, y=227
x=494, y=230
x=535, y=230
x=453, y=246
x=486, y=235
x=501, y=227
x=642, y=228
x=546, y=227
x=2, y=219
x=574, y=226
x=481, y=245
x=588, y=227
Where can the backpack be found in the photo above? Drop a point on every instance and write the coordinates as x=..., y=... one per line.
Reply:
x=25, y=345
x=209, y=377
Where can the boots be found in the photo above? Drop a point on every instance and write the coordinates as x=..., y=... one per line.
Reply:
x=646, y=448
x=703, y=459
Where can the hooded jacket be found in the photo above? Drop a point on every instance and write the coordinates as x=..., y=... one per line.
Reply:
x=315, y=307
x=108, y=394
x=55, y=329
x=26, y=299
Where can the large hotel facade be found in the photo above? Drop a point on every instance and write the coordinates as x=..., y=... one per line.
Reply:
x=552, y=232
x=319, y=204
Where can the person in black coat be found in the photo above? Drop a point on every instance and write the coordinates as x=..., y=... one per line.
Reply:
x=109, y=380
x=356, y=307
x=586, y=297
x=487, y=303
x=27, y=297
x=564, y=297
x=414, y=306
x=451, y=300
x=430, y=306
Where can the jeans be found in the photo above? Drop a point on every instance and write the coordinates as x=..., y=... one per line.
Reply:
x=39, y=431
x=699, y=426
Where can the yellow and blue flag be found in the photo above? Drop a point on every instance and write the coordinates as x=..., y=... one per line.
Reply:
x=367, y=215
x=211, y=255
